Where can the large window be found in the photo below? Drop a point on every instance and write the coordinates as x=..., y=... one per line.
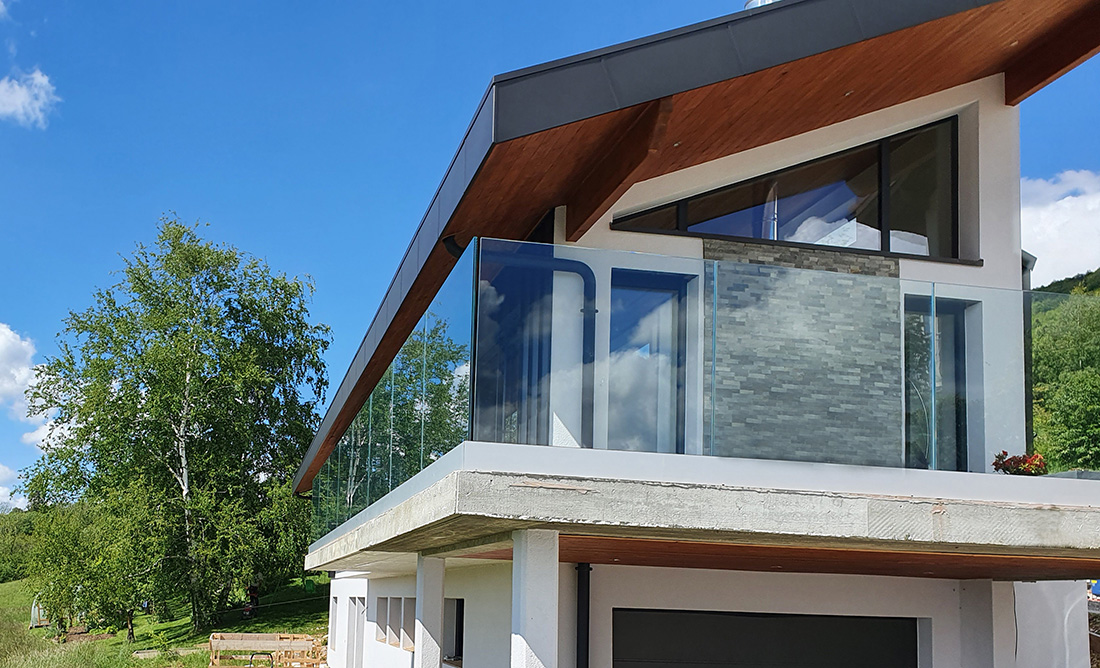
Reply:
x=896, y=195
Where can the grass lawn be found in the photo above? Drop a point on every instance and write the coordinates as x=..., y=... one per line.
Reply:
x=292, y=610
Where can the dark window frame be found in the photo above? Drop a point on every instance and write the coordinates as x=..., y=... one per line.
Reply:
x=623, y=223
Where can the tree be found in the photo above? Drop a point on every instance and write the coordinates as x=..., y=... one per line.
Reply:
x=16, y=538
x=199, y=375
x=1066, y=378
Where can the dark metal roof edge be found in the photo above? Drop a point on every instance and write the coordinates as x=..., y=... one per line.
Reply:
x=608, y=79
x=642, y=41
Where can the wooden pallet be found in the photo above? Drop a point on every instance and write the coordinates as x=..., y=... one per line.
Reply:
x=278, y=650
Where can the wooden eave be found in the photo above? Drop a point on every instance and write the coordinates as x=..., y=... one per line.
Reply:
x=956, y=565
x=501, y=186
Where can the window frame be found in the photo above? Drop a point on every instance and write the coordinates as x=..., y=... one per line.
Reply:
x=624, y=223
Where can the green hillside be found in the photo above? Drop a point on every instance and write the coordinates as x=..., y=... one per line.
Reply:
x=1089, y=282
x=297, y=608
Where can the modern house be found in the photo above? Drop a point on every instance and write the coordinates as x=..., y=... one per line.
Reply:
x=703, y=354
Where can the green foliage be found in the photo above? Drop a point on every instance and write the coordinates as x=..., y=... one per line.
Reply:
x=16, y=537
x=1073, y=406
x=181, y=402
x=303, y=612
x=1066, y=376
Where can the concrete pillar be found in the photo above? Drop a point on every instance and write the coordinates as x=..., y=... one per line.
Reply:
x=428, y=634
x=534, y=599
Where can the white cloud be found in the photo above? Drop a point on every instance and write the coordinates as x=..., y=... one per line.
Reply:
x=16, y=366
x=39, y=434
x=1060, y=222
x=3, y=10
x=7, y=501
x=27, y=98
x=16, y=375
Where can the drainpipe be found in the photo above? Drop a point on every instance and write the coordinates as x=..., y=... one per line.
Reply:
x=584, y=588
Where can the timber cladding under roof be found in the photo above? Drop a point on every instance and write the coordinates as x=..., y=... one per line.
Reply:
x=581, y=131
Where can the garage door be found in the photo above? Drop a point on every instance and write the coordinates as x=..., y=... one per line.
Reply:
x=684, y=639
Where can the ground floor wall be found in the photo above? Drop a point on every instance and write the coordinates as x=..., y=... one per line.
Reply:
x=972, y=624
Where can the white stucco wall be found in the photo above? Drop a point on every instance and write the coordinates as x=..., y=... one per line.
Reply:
x=1053, y=624
x=485, y=589
x=991, y=624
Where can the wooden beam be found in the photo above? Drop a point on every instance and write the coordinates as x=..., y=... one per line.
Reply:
x=617, y=169
x=1059, y=51
x=620, y=551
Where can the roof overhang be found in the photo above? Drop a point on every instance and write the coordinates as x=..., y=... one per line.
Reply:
x=579, y=132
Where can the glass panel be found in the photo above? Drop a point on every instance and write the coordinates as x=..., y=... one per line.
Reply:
x=950, y=392
x=919, y=389
x=447, y=328
x=326, y=516
x=616, y=350
x=922, y=192
x=416, y=413
x=646, y=361
x=408, y=389
x=829, y=202
x=517, y=314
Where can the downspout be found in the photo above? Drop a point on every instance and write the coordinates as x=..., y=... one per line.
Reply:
x=584, y=590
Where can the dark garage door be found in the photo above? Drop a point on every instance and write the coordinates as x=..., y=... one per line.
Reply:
x=684, y=639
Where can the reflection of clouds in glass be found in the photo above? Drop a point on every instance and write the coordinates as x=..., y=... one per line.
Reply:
x=633, y=397
x=843, y=233
x=642, y=394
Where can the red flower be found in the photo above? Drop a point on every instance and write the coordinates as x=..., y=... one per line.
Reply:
x=1020, y=464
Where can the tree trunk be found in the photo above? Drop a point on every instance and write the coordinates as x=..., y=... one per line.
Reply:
x=130, y=626
x=194, y=579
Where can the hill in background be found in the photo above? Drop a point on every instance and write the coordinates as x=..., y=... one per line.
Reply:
x=1090, y=282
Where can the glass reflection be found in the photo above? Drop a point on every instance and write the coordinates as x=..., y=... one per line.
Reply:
x=829, y=202
x=936, y=386
x=647, y=361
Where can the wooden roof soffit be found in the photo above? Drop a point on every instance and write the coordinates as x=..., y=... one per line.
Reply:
x=618, y=168
x=1059, y=51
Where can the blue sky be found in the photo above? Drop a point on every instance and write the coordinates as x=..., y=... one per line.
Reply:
x=312, y=136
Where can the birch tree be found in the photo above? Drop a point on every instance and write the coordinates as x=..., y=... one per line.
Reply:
x=200, y=374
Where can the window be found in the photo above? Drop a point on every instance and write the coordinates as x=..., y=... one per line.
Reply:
x=395, y=621
x=935, y=383
x=454, y=622
x=896, y=195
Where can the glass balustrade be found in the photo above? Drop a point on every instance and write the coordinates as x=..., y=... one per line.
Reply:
x=575, y=347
